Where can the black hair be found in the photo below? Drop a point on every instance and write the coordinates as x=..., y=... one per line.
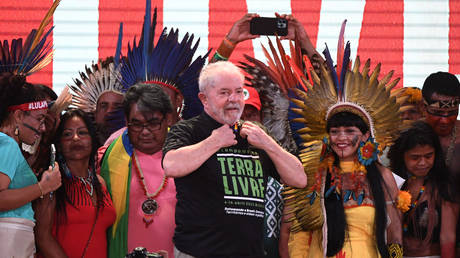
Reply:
x=61, y=194
x=47, y=91
x=335, y=214
x=346, y=119
x=420, y=134
x=14, y=90
x=148, y=97
x=442, y=83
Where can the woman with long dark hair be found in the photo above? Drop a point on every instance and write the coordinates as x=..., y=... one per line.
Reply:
x=74, y=223
x=22, y=115
x=347, y=116
x=430, y=222
x=358, y=195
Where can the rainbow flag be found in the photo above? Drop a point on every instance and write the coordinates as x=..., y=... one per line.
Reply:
x=116, y=171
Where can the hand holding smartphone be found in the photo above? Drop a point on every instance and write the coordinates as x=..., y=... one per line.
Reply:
x=52, y=161
x=268, y=26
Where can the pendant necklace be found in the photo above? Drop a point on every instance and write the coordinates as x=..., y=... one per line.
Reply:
x=87, y=181
x=150, y=205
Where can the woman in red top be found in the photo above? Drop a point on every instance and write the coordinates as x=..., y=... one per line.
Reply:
x=73, y=222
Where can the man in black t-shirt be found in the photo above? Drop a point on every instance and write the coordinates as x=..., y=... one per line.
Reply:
x=220, y=166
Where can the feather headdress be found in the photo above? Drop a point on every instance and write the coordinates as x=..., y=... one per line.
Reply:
x=338, y=89
x=95, y=81
x=30, y=56
x=169, y=63
x=275, y=82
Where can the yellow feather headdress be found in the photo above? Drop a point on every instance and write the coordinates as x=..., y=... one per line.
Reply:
x=338, y=89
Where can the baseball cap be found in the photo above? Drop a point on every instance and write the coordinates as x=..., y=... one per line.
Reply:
x=251, y=97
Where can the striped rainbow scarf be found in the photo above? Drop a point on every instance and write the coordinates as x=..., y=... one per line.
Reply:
x=116, y=171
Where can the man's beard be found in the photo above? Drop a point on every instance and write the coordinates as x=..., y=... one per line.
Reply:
x=228, y=119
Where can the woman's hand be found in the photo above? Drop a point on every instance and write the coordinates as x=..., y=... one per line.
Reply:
x=51, y=179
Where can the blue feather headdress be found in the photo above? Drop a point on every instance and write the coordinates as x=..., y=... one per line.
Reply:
x=169, y=63
x=30, y=56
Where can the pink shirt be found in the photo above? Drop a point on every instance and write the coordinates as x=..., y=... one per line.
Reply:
x=158, y=235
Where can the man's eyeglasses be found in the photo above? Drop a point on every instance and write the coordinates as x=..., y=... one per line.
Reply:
x=152, y=126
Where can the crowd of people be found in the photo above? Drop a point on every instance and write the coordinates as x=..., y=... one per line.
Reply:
x=298, y=158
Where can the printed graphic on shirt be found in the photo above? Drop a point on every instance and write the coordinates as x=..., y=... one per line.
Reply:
x=243, y=182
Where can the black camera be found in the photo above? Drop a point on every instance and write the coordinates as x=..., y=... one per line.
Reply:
x=141, y=252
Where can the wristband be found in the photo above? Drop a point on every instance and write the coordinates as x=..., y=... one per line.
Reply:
x=218, y=57
x=228, y=42
x=226, y=48
x=41, y=190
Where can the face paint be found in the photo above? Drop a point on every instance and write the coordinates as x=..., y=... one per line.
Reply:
x=344, y=141
x=354, y=140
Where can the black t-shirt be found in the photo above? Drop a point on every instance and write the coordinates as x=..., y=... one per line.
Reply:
x=220, y=206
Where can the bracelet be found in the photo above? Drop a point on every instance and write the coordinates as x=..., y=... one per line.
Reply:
x=228, y=42
x=41, y=190
x=226, y=48
x=218, y=57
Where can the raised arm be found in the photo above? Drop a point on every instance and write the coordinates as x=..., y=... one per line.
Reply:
x=288, y=166
x=183, y=161
x=239, y=32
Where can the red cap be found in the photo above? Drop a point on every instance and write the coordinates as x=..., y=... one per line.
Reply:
x=251, y=97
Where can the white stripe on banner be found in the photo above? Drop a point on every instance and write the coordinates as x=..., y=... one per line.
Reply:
x=188, y=16
x=267, y=8
x=426, y=39
x=243, y=198
x=333, y=13
x=75, y=39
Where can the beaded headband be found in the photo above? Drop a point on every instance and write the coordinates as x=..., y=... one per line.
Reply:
x=453, y=103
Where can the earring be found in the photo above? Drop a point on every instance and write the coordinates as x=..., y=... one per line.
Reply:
x=16, y=131
x=367, y=151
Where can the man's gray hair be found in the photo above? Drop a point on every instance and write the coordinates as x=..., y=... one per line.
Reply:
x=212, y=71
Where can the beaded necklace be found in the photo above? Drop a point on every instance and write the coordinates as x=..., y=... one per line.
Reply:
x=357, y=172
x=414, y=203
x=150, y=205
x=87, y=181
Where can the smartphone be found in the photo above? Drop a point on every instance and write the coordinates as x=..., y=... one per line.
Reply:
x=52, y=155
x=268, y=26
x=52, y=161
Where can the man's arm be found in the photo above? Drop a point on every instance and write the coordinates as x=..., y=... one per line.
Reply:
x=288, y=166
x=183, y=161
